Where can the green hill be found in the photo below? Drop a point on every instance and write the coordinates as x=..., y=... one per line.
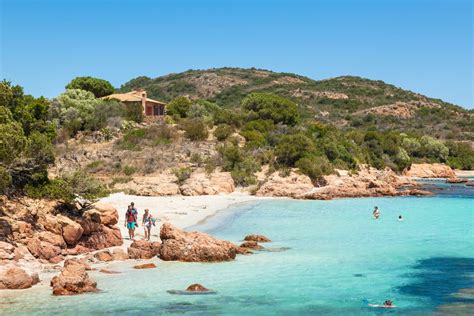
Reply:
x=343, y=101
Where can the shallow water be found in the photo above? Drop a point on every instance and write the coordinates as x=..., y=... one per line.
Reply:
x=339, y=260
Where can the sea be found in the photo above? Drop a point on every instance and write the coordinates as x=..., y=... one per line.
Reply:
x=325, y=258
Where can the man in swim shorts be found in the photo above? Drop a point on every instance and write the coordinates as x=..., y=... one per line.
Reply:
x=376, y=212
x=131, y=220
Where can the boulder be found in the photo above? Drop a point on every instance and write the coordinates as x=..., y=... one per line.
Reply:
x=78, y=262
x=293, y=185
x=119, y=255
x=73, y=280
x=178, y=245
x=7, y=251
x=53, y=239
x=433, y=170
x=105, y=237
x=71, y=231
x=257, y=238
x=102, y=213
x=470, y=183
x=22, y=252
x=145, y=266
x=196, y=287
x=104, y=255
x=42, y=249
x=17, y=278
x=251, y=245
x=143, y=249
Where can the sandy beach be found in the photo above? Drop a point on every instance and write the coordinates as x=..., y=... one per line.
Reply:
x=181, y=211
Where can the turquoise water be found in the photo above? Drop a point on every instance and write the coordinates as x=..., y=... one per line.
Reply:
x=339, y=260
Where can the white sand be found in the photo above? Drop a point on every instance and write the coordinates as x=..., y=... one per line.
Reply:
x=181, y=211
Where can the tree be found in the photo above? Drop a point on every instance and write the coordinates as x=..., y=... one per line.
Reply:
x=179, y=107
x=98, y=87
x=272, y=107
x=73, y=109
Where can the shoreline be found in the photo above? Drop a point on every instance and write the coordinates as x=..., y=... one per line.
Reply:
x=181, y=211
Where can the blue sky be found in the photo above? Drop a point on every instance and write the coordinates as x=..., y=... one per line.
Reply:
x=421, y=45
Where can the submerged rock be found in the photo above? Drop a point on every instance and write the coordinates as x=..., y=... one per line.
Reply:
x=457, y=180
x=196, y=287
x=73, y=280
x=257, y=238
x=145, y=266
x=251, y=245
x=193, y=289
x=178, y=245
x=107, y=271
x=17, y=278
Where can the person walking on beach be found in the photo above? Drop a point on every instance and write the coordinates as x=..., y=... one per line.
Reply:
x=131, y=220
x=376, y=212
x=147, y=222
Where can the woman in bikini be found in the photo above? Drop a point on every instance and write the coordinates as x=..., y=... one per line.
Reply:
x=147, y=221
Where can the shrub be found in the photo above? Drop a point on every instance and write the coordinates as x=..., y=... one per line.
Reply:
x=222, y=132
x=292, y=148
x=129, y=170
x=69, y=187
x=133, y=111
x=195, y=129
x=182, y=174
x=315, y=168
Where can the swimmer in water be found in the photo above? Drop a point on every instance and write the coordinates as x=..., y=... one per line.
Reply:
x=376, y=212
x=400, y=218
x=386, y=304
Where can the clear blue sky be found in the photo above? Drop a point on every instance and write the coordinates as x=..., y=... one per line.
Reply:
x=421, y=45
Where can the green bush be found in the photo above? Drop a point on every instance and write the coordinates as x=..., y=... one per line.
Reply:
x=292, y=148
x=67, y=188
x=272, y=107
x=129, y=170
x=223, y=131
x=315, y=168
x=133, y=111
x=195, y=129
x=182, y=174
x=179, y=107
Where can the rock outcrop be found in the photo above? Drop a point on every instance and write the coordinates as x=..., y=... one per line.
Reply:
x=17, y=278
x=73, y=280
x=178, y=245
x=293, y=185
x=142, y=249
x=159, y=185
x=430, y=170
x=200, y=183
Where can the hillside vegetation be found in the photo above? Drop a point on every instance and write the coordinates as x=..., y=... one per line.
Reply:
x=239, y=121
x=347, y=102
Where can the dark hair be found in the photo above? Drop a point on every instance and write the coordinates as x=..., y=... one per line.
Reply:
x=132, y=204
x=399, y=216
